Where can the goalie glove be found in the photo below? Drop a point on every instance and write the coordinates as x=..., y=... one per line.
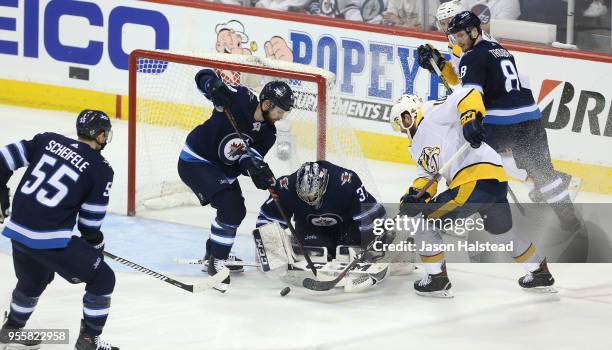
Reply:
x=427, y=52
x=473, y=130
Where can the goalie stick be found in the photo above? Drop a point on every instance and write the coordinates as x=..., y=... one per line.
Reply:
x=317, y=285
x=232, y=120
x=193, y=288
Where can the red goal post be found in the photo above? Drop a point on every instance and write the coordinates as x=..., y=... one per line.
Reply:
x=215, y=62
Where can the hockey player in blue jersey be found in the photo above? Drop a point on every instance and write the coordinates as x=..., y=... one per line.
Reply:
x=214, y=155
x=512, y=118
x=67, y=182
x=331, y=207
x=329, y=204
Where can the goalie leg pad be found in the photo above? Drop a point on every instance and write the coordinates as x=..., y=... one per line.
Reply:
x=273, y=249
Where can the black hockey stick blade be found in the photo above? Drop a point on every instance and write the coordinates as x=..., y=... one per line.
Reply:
x=321, y=286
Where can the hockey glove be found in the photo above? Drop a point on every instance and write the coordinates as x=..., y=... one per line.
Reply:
x=96, y=239
x=473, y=130
x=426, y=52
x=411, y=205
x=260, y=173
x=213, y=88
x=5, y=203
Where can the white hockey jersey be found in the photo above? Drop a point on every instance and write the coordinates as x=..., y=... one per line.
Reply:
x=439, y=135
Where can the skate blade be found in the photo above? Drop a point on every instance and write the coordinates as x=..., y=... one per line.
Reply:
x=542, y=290
x=442, y=294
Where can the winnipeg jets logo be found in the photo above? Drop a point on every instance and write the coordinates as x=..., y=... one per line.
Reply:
x=345, y=177
x=430, y=159
x=284, y=183
x=279, y=91
x=231, y=148
x=327, y=219
x=75, y=145
x=256, y=126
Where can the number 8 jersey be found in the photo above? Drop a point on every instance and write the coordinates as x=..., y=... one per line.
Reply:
x=64, y=179
x=490, y=69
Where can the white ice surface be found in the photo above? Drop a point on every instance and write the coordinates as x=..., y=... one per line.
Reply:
x=489, y=310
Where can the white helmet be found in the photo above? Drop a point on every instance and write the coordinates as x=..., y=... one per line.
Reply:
x=449, y=9
x=407, y=103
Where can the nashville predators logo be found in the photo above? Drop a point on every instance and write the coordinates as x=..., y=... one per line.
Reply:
x=430, y=159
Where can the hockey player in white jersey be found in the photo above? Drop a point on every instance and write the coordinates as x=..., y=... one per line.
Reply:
x=477, y=183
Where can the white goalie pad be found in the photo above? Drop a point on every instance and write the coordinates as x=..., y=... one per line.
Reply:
x=273, y=249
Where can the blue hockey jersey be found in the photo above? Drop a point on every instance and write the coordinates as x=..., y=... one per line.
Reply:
x=215, y=141
x=490, y=69
x=346, y=201
x=65, y=179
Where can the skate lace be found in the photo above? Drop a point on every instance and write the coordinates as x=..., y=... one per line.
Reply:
x=220, y=264
x=102, y=345
x=528, y=278
x=425, y=281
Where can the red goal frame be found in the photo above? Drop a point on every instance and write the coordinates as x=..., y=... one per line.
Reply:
x=205, y=62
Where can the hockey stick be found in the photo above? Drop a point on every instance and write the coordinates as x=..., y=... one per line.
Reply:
x=321, y=286
x=313, y=284
x=184, y=261
x=193, y=288
x=232, y=120
x=439, y=74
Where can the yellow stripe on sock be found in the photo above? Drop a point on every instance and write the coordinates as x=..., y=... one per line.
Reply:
x=526, y=255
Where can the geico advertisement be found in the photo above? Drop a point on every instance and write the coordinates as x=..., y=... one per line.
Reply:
x=86, y=44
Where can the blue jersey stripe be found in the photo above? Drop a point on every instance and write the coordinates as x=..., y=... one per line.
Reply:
x=512, y=119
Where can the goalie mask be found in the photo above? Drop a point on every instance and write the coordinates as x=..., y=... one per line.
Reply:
x=411, y=104
x=311, y=183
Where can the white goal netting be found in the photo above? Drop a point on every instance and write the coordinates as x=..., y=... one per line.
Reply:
x=168, y=106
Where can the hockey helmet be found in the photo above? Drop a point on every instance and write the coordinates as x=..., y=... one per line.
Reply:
x=411, y=104
x=449, y=9
x=463, y=22
x=279, y=93
x=311, y=183
x=90, y=123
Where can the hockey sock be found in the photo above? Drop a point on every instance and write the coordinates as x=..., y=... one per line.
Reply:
x=95, y=312
x=22, y=307
x=556, y=194
x=222, y=237
x=522, y=252
x=427, y=243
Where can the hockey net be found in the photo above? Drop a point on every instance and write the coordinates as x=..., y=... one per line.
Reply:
x=165, y=105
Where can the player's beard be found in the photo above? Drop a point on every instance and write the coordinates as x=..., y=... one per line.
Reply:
x=266, y=117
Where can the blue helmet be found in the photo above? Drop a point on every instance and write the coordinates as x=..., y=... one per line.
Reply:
x=90, y=123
